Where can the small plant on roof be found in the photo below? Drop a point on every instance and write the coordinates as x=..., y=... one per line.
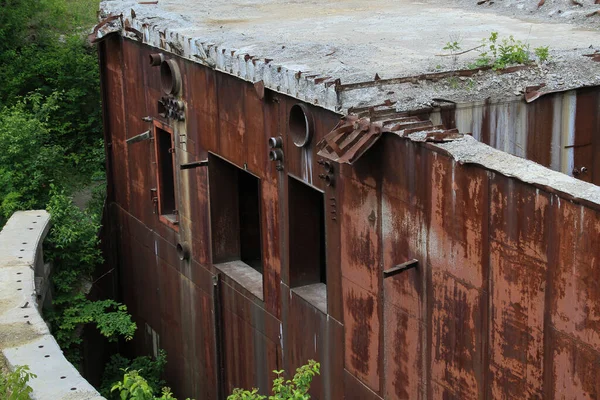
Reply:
x=500, y=53
x=292, y=389
x=453, y=46
x=542, y=53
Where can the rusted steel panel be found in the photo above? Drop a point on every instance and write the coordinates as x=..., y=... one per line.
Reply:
x=310, y=334
x=205, y=381
x=117, y=120
x=539, y=125
x=403, y=354
x=558, y=130
x=575, y=370
x=270, y=248
x=362, y=334
x=256, y=154
x=587, y=130
x=354, y=389
x=250, y=356
x=405, y=173
x=404, y=236
x=457, y=351
x=199, y=215
x=520, y=227
x=202, y=109
x=251, y=312
x=232, y=121
x=457, y=239
x=457, y=231
x=576, y=302
x=359, y=241
x=139, y=155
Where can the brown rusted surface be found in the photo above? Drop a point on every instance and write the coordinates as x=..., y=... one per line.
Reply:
x=501, y=305
x=558, y=129
x=354, y=135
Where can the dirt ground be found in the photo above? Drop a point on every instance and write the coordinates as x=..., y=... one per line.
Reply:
x=579, y=12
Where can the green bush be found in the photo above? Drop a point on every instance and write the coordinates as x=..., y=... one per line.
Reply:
x=73, y=247
x=150, y=369
x=500, y=54
x=134, y=387
x=294, y=389
x=29, y=163
x=13, y=385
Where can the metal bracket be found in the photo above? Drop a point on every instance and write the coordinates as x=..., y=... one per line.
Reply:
x=138, y=138
x=194, y=164
x=401, y=268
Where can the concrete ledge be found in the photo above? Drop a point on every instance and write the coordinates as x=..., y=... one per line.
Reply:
x=24, y=336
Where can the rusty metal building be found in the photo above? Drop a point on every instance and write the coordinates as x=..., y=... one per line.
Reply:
x=432, y=233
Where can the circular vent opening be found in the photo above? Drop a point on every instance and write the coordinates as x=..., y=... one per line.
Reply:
x=170, y=77
x=301, y=125
x=183, y=252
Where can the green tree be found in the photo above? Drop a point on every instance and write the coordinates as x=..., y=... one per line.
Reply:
x=29, y=163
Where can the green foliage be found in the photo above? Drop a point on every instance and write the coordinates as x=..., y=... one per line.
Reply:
x=43, y=50
x=29, y=162
x=452, y=46
x=73, y=246
x=134, y=387
x=294, y=389
x=50, y=145
x=542, y=53
x=111, y=318
x=13, y=385
x=150, y=369
x=500, y=54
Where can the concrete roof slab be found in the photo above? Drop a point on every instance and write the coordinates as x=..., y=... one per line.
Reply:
x=352, y=40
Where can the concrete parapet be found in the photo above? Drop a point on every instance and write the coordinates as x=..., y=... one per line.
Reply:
x=24, y=336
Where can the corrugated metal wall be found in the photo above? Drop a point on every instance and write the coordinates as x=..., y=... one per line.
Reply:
x=559, y=130
x=503, y=304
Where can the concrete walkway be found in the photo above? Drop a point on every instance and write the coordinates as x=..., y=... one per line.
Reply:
x=24, y=336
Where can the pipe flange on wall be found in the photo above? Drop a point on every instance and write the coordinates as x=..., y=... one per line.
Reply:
x=276, y=151
x=329, y=175
x=170, y=75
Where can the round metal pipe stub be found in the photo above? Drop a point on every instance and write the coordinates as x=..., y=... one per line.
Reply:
x=156, y=59
x=183, y=251
x=170, y=77
x=301, y=125
x=276, y=155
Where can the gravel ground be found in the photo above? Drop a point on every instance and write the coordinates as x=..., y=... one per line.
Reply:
x=579, y=12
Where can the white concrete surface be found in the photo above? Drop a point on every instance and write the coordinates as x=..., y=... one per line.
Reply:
x=352, y=40
x=24, y=336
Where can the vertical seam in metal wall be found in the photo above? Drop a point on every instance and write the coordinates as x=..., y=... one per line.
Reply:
x=486, y=390
x=551, y=256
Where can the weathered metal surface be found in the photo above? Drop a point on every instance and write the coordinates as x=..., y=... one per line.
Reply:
x=559, y=130
x=354, y=136
x=502, y=300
